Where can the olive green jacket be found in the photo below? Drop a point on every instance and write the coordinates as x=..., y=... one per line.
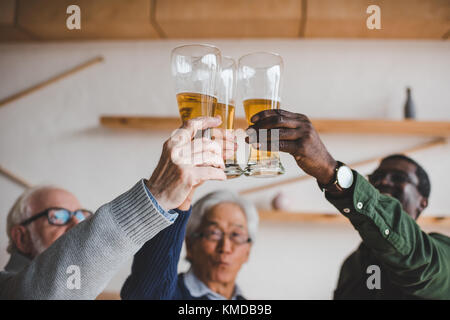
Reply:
x=412, y=264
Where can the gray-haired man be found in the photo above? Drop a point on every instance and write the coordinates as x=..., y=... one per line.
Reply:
x=49, y=246
x=219, y=236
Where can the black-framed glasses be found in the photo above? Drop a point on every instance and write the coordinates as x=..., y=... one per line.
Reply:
x=217, y=235
x=59, y=216
x=396, y=176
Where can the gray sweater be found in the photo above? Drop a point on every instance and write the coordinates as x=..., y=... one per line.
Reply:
x=98, y=247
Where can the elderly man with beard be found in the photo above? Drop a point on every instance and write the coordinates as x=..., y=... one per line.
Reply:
x=413, y=264
x=51, y=235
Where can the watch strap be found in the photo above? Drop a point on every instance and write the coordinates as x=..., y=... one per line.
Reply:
x=333, y=185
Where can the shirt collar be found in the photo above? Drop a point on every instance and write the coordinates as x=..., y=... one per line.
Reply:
x=198, y=289
x=17, y=262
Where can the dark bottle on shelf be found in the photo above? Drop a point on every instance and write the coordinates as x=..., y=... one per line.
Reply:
x=410, y=112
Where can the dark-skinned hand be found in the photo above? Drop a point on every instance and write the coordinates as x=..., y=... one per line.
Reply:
x=298, y=137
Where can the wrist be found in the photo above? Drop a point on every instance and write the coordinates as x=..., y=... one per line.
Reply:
x=342, y=180
x=328, y=172
x=158, y=196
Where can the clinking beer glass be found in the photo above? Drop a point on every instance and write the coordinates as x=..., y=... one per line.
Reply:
x=226, y=107
x=195, y=69
x=259, y=81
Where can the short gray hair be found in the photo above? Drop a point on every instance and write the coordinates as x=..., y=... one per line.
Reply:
x=20, y=211
x=207, y=202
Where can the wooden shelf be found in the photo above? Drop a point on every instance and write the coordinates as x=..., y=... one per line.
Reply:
x=283, y=216
x=391, y=127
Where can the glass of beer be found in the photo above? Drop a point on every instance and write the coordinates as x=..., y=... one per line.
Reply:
x=259, y=81
x=226, y=106
x=195, y=69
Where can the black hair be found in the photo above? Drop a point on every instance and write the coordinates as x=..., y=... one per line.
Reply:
x=424, y=186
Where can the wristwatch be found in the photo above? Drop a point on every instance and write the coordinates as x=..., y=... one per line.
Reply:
x=342, y=179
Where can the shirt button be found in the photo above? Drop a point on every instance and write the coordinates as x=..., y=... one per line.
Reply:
x=386, y=232
x=346, y=210
x=359, y=205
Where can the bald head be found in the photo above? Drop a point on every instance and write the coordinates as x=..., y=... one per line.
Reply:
x=34, y=238
x=49, y=197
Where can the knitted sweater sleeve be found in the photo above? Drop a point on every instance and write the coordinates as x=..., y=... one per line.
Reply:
x=93, y=251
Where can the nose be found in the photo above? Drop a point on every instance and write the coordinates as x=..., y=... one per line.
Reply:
x=386, y=180
x=72, y=223
x=225, y=245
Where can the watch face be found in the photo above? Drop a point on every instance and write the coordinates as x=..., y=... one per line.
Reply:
x=345, y=177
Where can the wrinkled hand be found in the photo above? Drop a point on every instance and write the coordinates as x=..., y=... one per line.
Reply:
x=187, y=162
x=298, y=137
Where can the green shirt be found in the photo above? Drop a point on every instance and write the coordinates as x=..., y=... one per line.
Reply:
x=413, y=264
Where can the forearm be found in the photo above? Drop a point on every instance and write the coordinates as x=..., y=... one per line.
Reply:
x=415, y=261
x=154, y=272
x=98, y=247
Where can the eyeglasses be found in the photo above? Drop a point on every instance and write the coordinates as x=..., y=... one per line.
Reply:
x=59, y=216
x=217, y=235
x=397, y=177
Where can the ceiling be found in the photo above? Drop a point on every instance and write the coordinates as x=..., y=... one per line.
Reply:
x=45, y=20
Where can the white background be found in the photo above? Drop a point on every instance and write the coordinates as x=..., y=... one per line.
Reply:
x=53, y=135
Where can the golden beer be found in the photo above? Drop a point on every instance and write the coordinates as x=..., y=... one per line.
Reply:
x=252, y=107
x=226, y=112
x=192, y=105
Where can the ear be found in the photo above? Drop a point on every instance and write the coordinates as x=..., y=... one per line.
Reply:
x=21, y=238
x=248, y=252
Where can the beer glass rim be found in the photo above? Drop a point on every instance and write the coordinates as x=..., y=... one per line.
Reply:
x=229, y=59
x=275, y=57
x=179, y=50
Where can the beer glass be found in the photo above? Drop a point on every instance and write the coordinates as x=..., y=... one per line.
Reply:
x=226, y=106
x=259, y=82
x=195, y=69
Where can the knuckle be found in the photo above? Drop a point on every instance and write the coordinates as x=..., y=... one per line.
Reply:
x=280, y=119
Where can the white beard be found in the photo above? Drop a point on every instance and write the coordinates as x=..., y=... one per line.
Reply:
x=38, y=245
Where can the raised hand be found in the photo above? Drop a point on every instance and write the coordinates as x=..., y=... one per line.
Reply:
x=298, y=137
x=186, y=162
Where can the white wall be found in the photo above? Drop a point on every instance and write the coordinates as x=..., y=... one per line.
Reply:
x=53, y=135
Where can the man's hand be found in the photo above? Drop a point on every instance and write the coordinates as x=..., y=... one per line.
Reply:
x=298, y=137
x=187, y=162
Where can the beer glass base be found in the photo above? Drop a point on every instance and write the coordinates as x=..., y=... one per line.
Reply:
x=263, y=171
x=233, y=171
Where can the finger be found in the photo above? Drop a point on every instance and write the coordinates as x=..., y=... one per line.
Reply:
x=206, y=144
x=226, y=139
x=291, y=146
x=201, y=174
x=219, y=134
x=226, y=145
x=208, y=159
x=273, y=112
x=201, y=123
x=278, y=121
x=228, y=154
x=276, y=134
x=182, y=154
